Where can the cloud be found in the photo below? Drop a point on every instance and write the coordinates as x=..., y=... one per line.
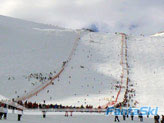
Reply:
x=130, y=16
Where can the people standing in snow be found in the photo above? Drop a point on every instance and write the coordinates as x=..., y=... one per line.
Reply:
x=1, y=111
x=132, y=115
x=116, y=116
x=140, y=116
x=64, y=62
x=44, y=109
x=20, y=113
x=156, y=118
x=44, y=113
x=124, y=117
x=162, y=120
x=5, y=112
x=66, y=114
x=148, y=114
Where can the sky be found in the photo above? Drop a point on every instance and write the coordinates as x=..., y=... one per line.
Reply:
x=129, y=16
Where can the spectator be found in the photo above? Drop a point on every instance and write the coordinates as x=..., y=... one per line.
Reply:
x=1, y=111
x=20, y=112
x=5, y=111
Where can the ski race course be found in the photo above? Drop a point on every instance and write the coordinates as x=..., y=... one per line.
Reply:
x=44, y=85
x=43, y=63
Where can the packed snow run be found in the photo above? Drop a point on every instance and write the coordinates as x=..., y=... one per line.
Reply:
x=48, y=65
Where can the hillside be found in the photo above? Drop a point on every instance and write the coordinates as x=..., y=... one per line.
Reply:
x=146, y=60
x=28, y=49
x=32, y=54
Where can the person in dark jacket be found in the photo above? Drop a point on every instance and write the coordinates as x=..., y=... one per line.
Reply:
x=20, y=112
x=132, y=115
x=44, y=113
x=156, y=118
x=1, y=112
x=116, y=118
x=140, y=117
x=124, y=115
x=162, y=121
x=5, y=112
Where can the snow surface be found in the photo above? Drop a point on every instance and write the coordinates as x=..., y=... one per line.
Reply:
x=146, y=60
x=97, y=118
x=161, y=34
x=26, y=49
x=93, y=83
x=91, y=75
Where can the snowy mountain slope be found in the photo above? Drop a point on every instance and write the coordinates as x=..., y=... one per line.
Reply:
x=28, y=48
x=146, y=60
x=25, y=50
x=8, y=22
x=160, y=34
x=91, y=74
